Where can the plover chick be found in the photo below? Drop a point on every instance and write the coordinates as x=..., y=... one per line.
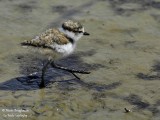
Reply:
x=56, y=43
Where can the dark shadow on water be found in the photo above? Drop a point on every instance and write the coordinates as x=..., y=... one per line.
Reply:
x=117, y=6
x=149, y=76
x=29, y=64
x=19, y=83
x=26, y=7
x=31, y=82
x=155, y=108
x=69, y=85
x=156, y=66
x=137, y=101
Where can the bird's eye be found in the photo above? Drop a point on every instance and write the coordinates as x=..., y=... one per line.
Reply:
x=80, y=31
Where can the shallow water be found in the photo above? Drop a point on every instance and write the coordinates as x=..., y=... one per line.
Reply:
x=122, y=54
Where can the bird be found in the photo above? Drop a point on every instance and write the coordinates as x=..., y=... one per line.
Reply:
x=56, y=43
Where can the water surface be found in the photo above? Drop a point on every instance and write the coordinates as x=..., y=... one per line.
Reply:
x=122, y=54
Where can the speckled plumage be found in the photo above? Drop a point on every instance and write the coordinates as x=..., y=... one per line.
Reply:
x=49, y=44
x=49, y=37
x=72, y=26
x=57, y=42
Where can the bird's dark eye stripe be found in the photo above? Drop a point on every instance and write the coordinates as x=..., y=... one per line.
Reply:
x=79, y=31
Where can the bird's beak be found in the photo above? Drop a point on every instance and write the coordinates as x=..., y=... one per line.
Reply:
x=86, y=33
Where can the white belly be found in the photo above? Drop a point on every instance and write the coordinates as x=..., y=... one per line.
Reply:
x=58, y=51
x=65, y=50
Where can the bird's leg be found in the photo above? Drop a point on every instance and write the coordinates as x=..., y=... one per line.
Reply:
x=42, y=84
x=72, y=71
x=75, y=75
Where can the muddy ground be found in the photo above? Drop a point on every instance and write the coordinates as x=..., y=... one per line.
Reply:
x=122, y=54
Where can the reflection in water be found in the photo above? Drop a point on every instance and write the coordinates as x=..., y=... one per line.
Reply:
x=32, y=83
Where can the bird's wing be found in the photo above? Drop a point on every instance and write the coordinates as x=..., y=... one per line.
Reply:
x=48, y=38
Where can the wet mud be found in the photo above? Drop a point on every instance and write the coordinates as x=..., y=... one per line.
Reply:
x=122, y=54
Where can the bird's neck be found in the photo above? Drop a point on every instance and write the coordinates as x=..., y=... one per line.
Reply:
x=70, y=40
x=70, y=35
